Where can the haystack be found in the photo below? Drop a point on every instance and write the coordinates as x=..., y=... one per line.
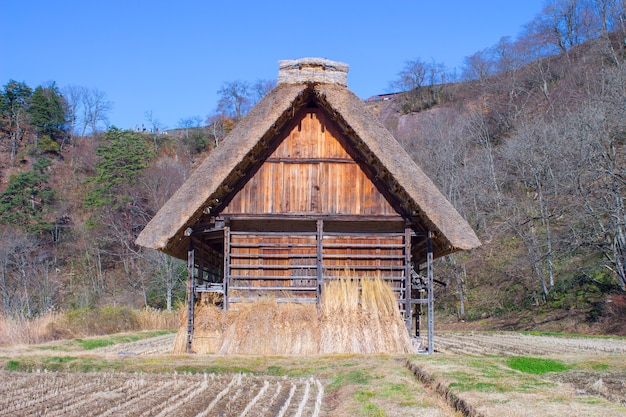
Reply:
x=361, y=320
x=208, y=327
x=266, y=327
x=355, y=316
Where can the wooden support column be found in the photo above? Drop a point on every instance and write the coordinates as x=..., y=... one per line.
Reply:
x=408, y=287
x=201, y=266
x=431, y=300
x=226, y=265
x=320, y=275
x=190, y=293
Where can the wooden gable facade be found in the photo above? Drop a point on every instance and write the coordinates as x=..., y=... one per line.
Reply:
x=308, y=214
x=308, y=187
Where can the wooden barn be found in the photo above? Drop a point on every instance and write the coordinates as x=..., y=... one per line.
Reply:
x=308, y=187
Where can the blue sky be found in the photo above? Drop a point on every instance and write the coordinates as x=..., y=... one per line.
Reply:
x=171, y=57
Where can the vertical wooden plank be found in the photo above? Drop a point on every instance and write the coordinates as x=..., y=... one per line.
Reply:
x=268, y=181
x=316, y=195
x=279, y=187
x=284, y=202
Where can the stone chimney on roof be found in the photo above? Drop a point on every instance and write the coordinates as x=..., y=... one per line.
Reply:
x=315, y=70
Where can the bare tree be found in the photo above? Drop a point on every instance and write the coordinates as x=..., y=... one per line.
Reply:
x=480, y=132
x=479, y=66
x=538, y=158
x=415, y=80
x=563, y=24
x=29, y=282
x=74, y=96
x=159, y=183
x=188, y=124
x=598, y=128
x=96, y=110
x=235, y=99
x=219, y=126
x=156, y=128
x=260, y=88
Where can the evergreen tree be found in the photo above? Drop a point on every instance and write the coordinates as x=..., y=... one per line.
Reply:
x=28, y=198
x=123, y=154
x=14, y=104
x=48, y=115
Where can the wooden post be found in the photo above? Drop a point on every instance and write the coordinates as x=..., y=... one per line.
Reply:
x=226, y=265
x=320, y=276
x=190, y=293
x=418, y=313
x=408, y=287
x=201, y=266
x=431, y=301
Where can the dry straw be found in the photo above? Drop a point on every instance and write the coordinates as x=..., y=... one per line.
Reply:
x=17, y=330
x=361, y=320
x=355, y=316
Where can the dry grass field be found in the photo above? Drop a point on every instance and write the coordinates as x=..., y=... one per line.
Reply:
x=472, y=374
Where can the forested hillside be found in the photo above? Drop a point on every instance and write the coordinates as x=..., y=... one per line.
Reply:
x=529, y=144
x=530, y=149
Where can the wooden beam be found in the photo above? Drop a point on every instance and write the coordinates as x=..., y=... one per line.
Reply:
x=283, y=288
x=311, y=160
x=314, y=217
x=269, y=278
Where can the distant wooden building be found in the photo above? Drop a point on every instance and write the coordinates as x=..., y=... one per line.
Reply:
x=307, y=186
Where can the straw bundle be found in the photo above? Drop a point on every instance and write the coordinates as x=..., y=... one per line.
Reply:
x=361, y=321
x=266, y=327
x=208, y=328
x=355, y=316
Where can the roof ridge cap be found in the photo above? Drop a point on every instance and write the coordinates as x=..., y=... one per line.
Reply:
x=312, y=70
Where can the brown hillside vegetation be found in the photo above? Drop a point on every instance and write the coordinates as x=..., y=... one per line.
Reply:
x=534, y=159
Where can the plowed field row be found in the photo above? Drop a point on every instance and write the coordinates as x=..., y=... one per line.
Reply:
x=126, y=394
x=508, y=344
x=153, y=345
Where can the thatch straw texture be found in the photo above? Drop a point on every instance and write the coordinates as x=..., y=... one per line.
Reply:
x=355, y=316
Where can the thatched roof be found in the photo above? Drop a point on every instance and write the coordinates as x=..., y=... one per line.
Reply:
x=226, y=168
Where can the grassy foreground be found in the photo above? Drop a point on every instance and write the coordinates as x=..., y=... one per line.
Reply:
x=378, y=385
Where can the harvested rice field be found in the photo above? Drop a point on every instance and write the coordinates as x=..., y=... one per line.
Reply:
x=512, y=343
x=471, y=374
x=149, y=394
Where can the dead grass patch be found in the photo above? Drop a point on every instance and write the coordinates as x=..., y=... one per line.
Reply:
x=17, y=330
